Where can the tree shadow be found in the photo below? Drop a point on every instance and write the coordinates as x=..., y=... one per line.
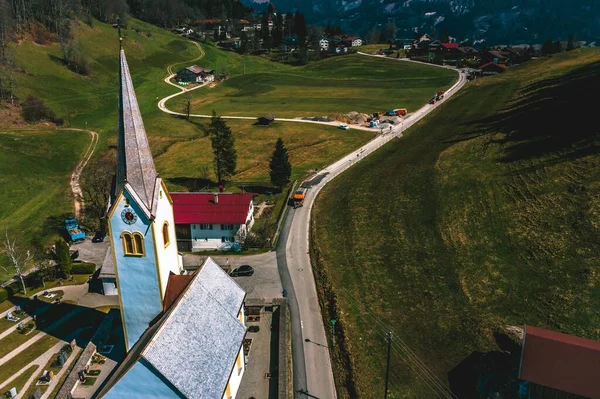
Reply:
x=550, y=116
x=71, y=322
x=56, y=225
x=193, y=184
x=483, y=374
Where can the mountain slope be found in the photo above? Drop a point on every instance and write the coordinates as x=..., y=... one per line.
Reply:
x=507, y=21
x=484, y=216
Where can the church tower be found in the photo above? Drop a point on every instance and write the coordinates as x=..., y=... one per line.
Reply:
x=140, y=220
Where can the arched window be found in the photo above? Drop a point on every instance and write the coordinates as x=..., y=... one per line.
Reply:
x=165, y=232
x=133, y=244
x=138, y=240
x=127, y=243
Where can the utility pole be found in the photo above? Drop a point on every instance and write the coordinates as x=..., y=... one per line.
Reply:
x=387, y=369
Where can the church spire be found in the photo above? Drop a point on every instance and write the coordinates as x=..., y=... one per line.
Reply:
x=135, y=164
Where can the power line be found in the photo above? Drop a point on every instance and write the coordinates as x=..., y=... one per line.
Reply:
x=399, y=347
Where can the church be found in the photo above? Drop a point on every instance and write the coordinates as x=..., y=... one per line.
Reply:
x=183, y=333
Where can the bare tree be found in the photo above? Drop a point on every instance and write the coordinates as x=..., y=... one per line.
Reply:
x=19, y=258
x=95, y=187
x=187, y=102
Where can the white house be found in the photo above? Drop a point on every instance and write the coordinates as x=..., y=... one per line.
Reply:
x=206, y=221
x=183, y=334
x=324, y=44
x=354, y=41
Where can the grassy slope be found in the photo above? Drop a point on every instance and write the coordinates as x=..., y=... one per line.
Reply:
x=483, y=216
x=34, y=175
x=339, y=84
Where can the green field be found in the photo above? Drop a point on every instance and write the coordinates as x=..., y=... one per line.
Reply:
x=310, y=146
x=335, y=85
x=484, y=216
x=34, y=174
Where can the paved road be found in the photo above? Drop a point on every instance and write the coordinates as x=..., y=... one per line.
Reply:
x=314, y=368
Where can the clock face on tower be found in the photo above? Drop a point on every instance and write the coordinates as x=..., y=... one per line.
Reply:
x=128, y=216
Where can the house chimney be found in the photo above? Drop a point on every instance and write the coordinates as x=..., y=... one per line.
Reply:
x=216, y=198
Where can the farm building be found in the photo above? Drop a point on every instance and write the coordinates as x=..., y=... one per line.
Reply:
x=556, y=365
x=205, y=221
x=195, y=74
x=490, y=68
x=266, y=120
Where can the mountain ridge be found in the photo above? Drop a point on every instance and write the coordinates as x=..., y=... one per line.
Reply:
x=486, y=21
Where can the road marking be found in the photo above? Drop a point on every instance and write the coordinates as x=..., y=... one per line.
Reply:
x=301, y=324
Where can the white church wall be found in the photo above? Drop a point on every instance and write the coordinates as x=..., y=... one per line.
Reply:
x=166, y=255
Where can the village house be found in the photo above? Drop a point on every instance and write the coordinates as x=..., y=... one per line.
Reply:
x=556, y=365
x=339, y=48
x=492, y=69
x=353, y=41
x=208, y=28
x=493, y=56
x=517, y=55
x=324, y=44
x=183, y=31
x=207, y=221
x=195, y=74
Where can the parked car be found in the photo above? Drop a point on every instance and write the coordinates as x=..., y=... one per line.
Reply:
x=99, y=236
x=343, y=126
x=244, y=270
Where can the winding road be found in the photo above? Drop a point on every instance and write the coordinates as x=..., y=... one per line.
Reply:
x=313, y=376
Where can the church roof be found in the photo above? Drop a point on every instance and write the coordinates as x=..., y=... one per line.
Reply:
x=135, y=164
x=194, y=346
x=108, y=267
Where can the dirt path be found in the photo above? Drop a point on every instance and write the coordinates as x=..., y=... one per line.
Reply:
x=76, y=175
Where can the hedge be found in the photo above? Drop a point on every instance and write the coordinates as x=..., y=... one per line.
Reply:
x=83, y=268
x=3, y=295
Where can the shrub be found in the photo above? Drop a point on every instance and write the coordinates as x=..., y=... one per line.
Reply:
x=63, y=256
x=83, y=268
x=35, y=110
x=13, y=289
x=3, y=295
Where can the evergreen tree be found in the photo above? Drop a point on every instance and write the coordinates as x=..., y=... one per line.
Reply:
x=277, y=34
x=266, y=33
x=63, y=256
x=223, y=145
x=300, y=28
x=280, y=168
x=445, y=37
x=244, y=42
x=570, y=45
x=557, y=47
x=548, y=47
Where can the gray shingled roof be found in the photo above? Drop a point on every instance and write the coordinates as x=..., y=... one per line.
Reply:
x=196, y=347
x=135, y=163
x=108, y=267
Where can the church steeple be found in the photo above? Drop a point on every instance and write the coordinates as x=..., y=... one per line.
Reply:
x=140, y=220
x=135, y=164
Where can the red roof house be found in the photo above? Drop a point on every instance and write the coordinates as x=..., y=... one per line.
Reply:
x=450, y=46
x=189, y=208
x=560, y=361
x=490, y=67
x=205, y=221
